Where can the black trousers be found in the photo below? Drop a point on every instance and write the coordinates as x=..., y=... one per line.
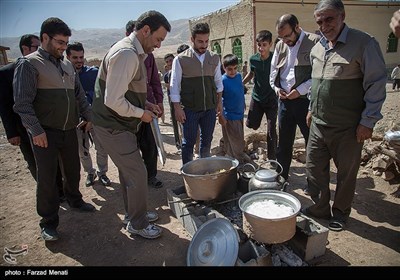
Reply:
x=26, y=150
x=63, y=149
x=292, y=113
x=147, y=146
x=257, y=110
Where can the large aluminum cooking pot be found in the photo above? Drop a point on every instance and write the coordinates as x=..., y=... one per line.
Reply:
x=210, y=178
x=270, y=230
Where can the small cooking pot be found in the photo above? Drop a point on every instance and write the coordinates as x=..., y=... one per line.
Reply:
x=210, y=178
x=266, y=179
x=246, y=172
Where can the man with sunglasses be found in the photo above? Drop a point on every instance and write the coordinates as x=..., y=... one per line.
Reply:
x=47, y=93
x=15, y=131
x=291, y=79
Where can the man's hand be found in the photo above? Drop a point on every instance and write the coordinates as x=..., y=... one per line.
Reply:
x=161, y=106
x=221, y=119
x=88, y=126
x=293, y=94
x=220, y=109
x=281, y=94
x=395, y=23
x=15, y=141
x=363, y=133
x=308, y=119
x=147, y=116
x=153, y=108
x=40, y=140
x=179, y=113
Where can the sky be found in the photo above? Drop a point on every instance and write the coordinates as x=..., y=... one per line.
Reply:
x=18, y=17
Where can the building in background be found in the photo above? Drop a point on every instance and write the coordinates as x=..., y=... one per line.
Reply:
x=233, y=29
x=3, y=55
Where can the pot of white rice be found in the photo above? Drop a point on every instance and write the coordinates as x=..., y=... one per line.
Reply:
x=269, y=216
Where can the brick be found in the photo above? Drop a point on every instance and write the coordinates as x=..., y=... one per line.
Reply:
x=310, y=238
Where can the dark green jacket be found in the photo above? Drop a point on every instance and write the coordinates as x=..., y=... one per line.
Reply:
x=262, y=90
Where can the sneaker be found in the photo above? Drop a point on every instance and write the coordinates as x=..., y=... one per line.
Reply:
x=151, y=216
x=84, y=207
x=150, y=232
x=90, y=179
x=49, y=234
x=104, y=180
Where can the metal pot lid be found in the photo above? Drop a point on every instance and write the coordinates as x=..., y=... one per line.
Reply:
x=215, y=243
x=266, y=175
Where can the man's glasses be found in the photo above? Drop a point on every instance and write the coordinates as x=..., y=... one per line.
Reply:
x=286, y=36
x=60, y=42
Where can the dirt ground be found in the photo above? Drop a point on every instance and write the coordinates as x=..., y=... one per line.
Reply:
x=372, y=236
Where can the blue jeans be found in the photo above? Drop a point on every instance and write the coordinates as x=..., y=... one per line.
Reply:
x=206, y=121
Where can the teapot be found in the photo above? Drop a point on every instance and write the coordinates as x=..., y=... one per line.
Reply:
x=266, y=179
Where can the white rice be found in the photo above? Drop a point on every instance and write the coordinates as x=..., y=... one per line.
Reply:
x=269, y=209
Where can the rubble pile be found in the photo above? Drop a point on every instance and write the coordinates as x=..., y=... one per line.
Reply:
x=382, y=156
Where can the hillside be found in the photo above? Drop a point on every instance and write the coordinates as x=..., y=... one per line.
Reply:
x=97, y=41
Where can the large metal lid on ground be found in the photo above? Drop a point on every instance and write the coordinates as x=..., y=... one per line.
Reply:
x=215, y=243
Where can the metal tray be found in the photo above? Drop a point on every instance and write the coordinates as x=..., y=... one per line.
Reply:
x=162, y=155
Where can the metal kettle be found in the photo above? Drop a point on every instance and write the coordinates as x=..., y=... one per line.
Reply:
x=266, y=179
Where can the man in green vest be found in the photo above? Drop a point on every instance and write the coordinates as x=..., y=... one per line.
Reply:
x=291, y=79
x=196, y=85
x=48, y=97
x=119, y=108
x=348, y=90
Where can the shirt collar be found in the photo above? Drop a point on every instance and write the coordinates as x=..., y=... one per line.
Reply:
x=197, y=54
x=301, y=37
x=49, y=56
x=136, y=43
x=342, y=37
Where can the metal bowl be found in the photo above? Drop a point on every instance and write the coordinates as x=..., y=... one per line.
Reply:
x=210, y=178
x=268, y=230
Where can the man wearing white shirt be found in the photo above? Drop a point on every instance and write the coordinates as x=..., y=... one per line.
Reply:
x=291, y=79
x=195, y=91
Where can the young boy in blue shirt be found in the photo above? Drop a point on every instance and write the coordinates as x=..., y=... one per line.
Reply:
x=233, y=110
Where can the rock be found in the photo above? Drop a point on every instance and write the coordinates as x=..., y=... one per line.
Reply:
x=299, y=144
x=377, y=172
x=387, y=175
x=287, y=256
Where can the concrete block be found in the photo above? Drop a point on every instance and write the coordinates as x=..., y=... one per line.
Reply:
x=251, y=254
x=310, y=238
x=189, y=213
